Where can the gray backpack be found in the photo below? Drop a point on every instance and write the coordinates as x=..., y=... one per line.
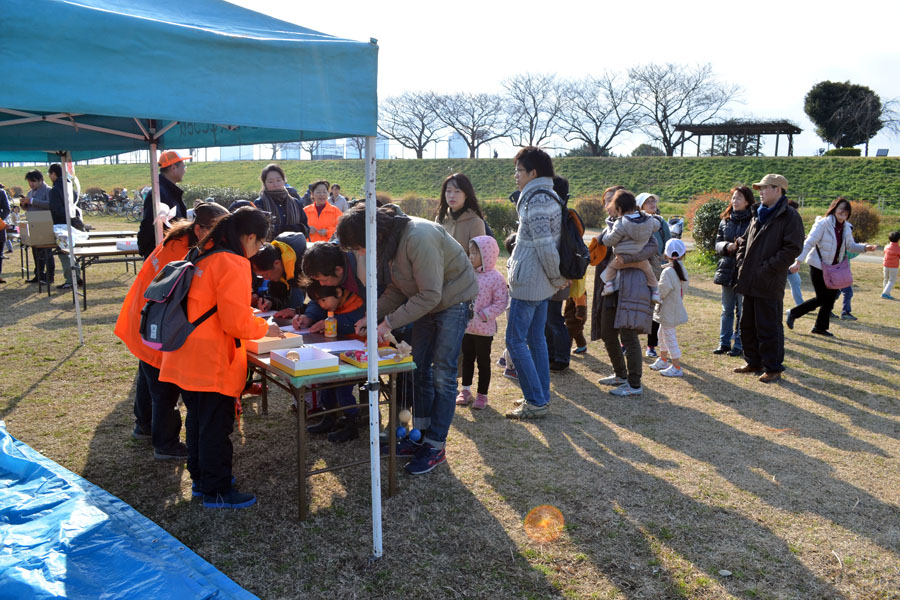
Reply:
x=164, y=322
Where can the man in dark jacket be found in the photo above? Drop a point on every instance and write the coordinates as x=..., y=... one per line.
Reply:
x=171, y=171
x=772, y=242
x=58, y=212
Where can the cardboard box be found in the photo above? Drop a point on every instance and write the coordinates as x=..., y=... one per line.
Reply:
x=310, y=361
x=387, y=356
x=267, y=344
x=127, y=244
x=38, y=229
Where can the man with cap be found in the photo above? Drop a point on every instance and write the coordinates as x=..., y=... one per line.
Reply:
x=171, y=171
x=764, y=254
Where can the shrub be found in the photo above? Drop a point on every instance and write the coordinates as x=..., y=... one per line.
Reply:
x=701, y=199
x=705, y=224
x=865, y=221
x=222, y=195
x=843, y=152
x=417, y=206
x=501, y=216
x=93, y=190
x=591, y=210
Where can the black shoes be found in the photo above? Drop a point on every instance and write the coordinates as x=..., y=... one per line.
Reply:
x=735, y=352
x=558, y=367
x=345, y=431
x=721, y=350
x=326, y=425
x=790, y=320
x=822, y=332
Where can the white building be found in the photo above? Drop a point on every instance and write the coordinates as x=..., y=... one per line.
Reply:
x=456, y=146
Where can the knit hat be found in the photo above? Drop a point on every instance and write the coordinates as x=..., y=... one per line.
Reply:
x=643, y=198
x=675, y=248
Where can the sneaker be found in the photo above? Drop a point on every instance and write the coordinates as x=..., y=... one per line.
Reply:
x=848, y=317
x=501, y=362
x=672, y=371
x=464, y=398
x=722, y=350
x=789, y=319
x=140, y=435
x=528, y=411
x=580, y=350
x=407, y=447
x=180, y=452
x=651, y=352
x=612, y=380
x=626, y=390
x=195, y=488
x=426, y=459
x=607, y=289
x=655, y=299
x=887, y=296
x=64, y=286
x=660, y=365
x=231, y=499
x=480, y=403
x=736, y=352
x=511, y=374
x=519, y=401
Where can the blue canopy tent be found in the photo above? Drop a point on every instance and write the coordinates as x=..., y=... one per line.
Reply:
x=99, y=77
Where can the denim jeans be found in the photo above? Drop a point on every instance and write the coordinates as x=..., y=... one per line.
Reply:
x=436, y=341
x=796, y=293
x=730, y=329
x=527, y=346
x=848, y=296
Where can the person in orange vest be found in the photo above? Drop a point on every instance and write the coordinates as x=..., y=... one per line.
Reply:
x=321, y=215
x=211, y=367
x=156, y=415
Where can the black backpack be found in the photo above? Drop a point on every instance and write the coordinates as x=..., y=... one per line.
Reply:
x=574, y=256
x=164, y=322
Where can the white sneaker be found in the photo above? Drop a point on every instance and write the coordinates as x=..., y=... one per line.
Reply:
x=612, y=380
x=672, y=371
x=660, y=364
x=607, y=289
x=626, y=390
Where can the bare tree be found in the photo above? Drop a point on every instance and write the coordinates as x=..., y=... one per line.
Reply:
x=410, y=120
x=673, y=94
x=478, y=118
x=596, y=110
x=311, y=146
x=534, y=103
x=358, y=144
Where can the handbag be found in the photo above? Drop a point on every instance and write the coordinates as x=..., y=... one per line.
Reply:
x=838, y=276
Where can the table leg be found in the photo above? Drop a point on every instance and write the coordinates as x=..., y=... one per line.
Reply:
x=265, y=392
x=392, y=435
x=23, y=258
x=84, y=284
x=300, y=398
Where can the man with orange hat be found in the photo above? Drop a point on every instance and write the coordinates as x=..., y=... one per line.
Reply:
x=171, y=171
x=764, y=254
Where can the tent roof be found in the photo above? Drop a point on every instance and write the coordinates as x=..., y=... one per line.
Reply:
x=225, y=74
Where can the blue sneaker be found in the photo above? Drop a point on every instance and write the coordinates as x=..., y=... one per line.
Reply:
x=230, y=499
x=651, y=352
x=195, y=488
x=406, y=448
x=426, y=459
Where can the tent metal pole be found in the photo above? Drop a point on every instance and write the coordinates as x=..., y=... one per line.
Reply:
x=372, y=347
x=65, y=158
x=154, y=183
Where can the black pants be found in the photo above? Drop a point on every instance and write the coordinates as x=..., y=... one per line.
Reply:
x=629, y=366
x=477, y=348
x=44, y=263
x=762, y=333
x=823, y=300
x=558, y=341
x=165, y=420
x=653, y=337
x=575, y=316
x=209, y=423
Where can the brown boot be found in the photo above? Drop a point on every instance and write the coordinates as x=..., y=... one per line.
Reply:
x=748, y=369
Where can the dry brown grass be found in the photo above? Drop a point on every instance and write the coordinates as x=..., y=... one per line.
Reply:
x=793, y=487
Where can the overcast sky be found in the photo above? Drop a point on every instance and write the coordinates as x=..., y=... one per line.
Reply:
x=776, y=51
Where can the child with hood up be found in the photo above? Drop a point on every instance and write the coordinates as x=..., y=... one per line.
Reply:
x=490, y=303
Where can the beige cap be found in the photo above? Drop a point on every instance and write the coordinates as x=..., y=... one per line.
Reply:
x=772, y=179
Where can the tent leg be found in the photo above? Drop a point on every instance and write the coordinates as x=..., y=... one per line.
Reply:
x=65, y=158
x=372, y=347
x=154, y=183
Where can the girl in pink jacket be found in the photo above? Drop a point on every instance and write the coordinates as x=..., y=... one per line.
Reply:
x=490, y=303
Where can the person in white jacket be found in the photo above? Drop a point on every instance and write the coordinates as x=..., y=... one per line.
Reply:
x=832, y=237
x=670, y=312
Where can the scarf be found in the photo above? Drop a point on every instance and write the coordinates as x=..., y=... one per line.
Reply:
x=280, y=202
x=764, y=211
x=739, y=216
x=456, y=214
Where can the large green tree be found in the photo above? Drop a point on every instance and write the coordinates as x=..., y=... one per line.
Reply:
x=845, y=114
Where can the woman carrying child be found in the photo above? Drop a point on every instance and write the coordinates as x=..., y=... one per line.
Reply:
x=489, y=304
x=670, y=312
x=630, y=233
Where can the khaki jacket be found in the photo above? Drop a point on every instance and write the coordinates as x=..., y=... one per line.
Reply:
x=464, y=229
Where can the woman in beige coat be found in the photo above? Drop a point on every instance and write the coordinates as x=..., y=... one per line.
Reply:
x=459, y=213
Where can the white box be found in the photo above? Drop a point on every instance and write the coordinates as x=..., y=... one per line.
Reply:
x=309, y=362
x=128, y=244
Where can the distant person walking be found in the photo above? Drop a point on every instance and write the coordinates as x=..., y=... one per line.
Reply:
x=772, y=242
x=832, y=237
x=891, y=263
x=734, y=224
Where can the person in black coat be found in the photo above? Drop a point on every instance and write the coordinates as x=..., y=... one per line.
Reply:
x=734, y=224
x=171, y=171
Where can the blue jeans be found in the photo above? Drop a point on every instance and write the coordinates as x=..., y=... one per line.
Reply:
x=527, y=346
x=436, y=341
x=796, y=292
x=848, y=296
x=730, y=329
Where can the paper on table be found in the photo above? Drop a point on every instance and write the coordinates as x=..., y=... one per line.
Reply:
x=291, y=329
x=263, y=314
x=339, y=346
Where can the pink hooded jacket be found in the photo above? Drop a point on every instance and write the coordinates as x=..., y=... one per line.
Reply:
x=492, y=293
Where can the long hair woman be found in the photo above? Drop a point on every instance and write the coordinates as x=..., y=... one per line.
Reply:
x=211, y=367
x=459, y=213
x=735, y=221
x=287, y=212
x=830, y=238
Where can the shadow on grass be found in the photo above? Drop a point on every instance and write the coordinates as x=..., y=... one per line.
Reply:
x=13, y=402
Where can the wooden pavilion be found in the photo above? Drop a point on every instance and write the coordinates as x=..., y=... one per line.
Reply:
x=734, y=128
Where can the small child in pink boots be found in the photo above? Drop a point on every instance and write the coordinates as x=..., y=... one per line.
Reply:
x=490, y=303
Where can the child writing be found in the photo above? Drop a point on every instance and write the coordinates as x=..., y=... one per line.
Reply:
x=891, y=262
x=490, y=303
x=629, y=235
x=670, y=312
x=348, y=308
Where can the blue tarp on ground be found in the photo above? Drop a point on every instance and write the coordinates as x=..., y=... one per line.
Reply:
x=63, y=537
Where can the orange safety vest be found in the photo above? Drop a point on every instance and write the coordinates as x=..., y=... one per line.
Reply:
x=211, y=359
x=129, y=321
x=327, y=220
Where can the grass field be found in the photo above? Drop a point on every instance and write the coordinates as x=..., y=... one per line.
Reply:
x=673, y=178
x=714, y=486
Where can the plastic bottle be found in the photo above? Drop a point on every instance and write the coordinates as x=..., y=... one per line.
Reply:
x=331, y=325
